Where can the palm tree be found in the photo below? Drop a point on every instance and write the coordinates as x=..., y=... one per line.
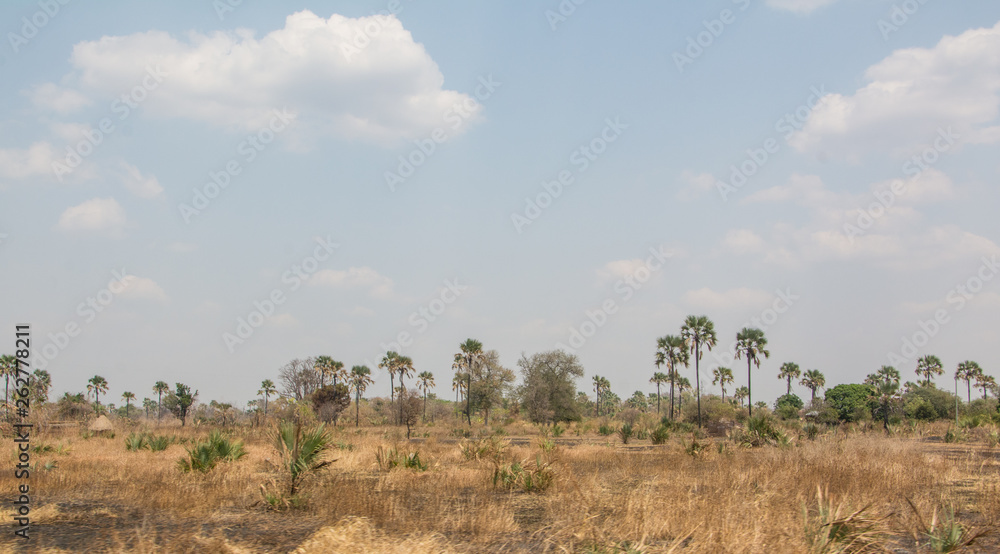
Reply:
x=789, y=371
x=886, y=383
x=471, y=352
x=338, y=372
x=722, y=376
x=813, y=379
x=324, y=366
x=698, y=331
x=360, y=379
x=984, y=382
x=750, y=342
x=389, y=363
x=425, y=383
x=128, y=397
x=97, y=385
x=8, y=367
x=659, y=379
x=159, y=388
x=683, y=384
x=740, y=394
x=967, y=371
x=266, y=390
x=673, y=350
x=405, y=369
x=928, y=366
x=598, y=387
x=146, y=405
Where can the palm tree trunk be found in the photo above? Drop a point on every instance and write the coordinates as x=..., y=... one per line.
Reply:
x=749, y=397
x=697, y=378
x=968, y=390
x=357, y=409
x=657, y=398
x=671, y=392
x=789, y=385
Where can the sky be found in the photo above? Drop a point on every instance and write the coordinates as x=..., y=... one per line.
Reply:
x=200, y=192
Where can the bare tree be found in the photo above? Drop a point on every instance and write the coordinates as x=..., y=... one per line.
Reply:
x=299, y=378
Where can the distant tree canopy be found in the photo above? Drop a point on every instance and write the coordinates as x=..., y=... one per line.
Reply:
x=179, y=401
x=549, y=390
x=329, y=401
x=852, y=402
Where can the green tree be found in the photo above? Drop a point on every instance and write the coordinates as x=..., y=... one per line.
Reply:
x=722, y=376
x=425, y=382
x=128, y=397
x=789, y=371
x=323, y=366
x=751, y=343
x=548, y=391
x=8, y=368
x=812, y=379
x=360, y=379
x=850, y=400
x=404, y=367
x=148, y=404
x=984, y=382
x=741, y=394
x=928, y=366
x=658, y=379
x=389, y=363
x=885, y=390
x=672, y=350
x=179, y=401
x=97, y=385
x=469, y=356
x=160, y=388
x=267, y=389
x=967, y=371
x=698, y=331
x=40, y=385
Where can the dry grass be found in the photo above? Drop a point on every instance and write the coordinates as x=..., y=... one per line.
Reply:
x=606, y=497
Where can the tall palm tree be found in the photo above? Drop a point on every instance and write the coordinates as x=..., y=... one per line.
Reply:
x=884, y=373
x=160, y=388
x=886, y=383
x=360, y=379
x=266, y=390
x=338, y=372
x=128, y=397
x=673, y=350
x=598, y=387
x=722, y=376
x=698, y=331
x=813, y=379
x=324, y=366
x=928, y=366
x=389, y=363
x=751, y=343
x=97, y=385
x=426, y=381
x=658, y=379
x=967, y=371
x=984, y=382
x=471, y=352
x=405, y=369
x=740, y=394
x=789, y=371
x=8, y=367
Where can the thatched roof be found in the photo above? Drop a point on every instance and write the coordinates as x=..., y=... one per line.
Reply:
x=102, y=423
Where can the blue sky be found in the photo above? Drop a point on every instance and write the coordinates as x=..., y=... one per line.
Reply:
x=838, y=243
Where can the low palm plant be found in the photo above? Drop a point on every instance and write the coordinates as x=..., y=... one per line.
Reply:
x=302, y=451
x=204, y=456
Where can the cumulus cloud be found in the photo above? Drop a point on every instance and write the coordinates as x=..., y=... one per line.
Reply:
x=381, y=87
x=143, y=288
x=911, y=97
x=367, y=278
x=799, y=6
x=144, y=186
x=98, y=214
x=19, y=163
x=694, y=184
x=50, y=97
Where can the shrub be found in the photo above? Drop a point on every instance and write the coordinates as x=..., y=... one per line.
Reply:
x=758, y=431
x=524, y=476
x=302, y=451
x=389, y=459
x=941, y=404
x=490, y=448
x=204, y=456
x=788, y=400
x=604, y=430
x=136, y=441
x=660, y=435
x=852, y=402
x=557, y=430
x=625, y=432
x=918, y=408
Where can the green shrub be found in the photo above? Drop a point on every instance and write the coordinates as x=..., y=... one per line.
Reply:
x=557, y=430
x=788, y=400
x=604, y=430
x=660, y=435
x=853, y=402
x=136, y=441
x=204, y=456
x=758, y=431
x=524, y=476
x=625, y=432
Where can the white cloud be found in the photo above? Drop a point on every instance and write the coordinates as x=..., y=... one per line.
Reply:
x=51, y=97
x=377, y=285
x=743, y=241
x=144, y=186
x=910, y=96
x=706, y=298
x=799, y=6
x=807, y=190
x=142, y=288
x=389, y=90
x=694, y=184
x=23, y=163
x=98, y=214
x=619, y=269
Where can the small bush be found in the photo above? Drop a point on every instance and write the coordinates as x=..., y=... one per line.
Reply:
x=557, y=431
x=660, y=435
x=605, y=430
x=204, y=456
x=758, y=431
x=523, y=476
x=625, y=432
x=136, y=441
x=389, y=459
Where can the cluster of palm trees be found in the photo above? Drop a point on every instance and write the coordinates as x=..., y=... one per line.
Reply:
x=469, y=357
x=697, y=336
x=970, y=371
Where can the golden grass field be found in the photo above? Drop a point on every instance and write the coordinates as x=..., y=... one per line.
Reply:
x=605, y=496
